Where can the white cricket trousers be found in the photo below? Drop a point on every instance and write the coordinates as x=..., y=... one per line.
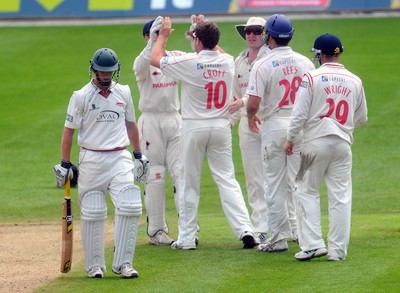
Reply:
x=331, y=159
x=211, y=138
x=250, y=147
x=280, y=171
x=159, y=136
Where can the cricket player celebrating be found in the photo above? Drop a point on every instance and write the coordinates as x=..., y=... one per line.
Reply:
x=330, y=103
x=103, y=112
x=274, y=81
x=159, y=128
x=250, y=142
x=207, y=78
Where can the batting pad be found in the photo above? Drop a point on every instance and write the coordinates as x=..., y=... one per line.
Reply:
x=93, y=215
x=127, y=212
x=155, y=200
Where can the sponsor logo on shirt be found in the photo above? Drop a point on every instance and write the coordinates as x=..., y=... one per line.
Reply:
x=326, y=78
x=276, y=63
x=208, y=65
x=304, y=84
x=107, y=116
x=69, y=118
x=120, y=103
x=165, y=84
x=243, y=84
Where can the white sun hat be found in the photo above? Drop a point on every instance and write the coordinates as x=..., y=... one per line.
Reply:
x=252, y=21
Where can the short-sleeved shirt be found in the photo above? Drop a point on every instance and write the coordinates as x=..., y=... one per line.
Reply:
x=330, y=101
x=158, y=93
x=242, y=73
x=101, y=120
x=276, y=79
x=207, y=81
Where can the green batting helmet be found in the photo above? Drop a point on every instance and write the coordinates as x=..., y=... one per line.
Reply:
x=105, y=60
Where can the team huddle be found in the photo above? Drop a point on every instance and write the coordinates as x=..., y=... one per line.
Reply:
x=295, y=129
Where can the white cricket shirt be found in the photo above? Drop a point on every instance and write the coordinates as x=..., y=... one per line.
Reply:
x=242, y=73
x=158, y=92
x=330, y=101
x=100, y=120
x=207, y=82
x=276, y=79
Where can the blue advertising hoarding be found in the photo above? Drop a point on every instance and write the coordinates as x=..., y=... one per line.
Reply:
x=132, y=8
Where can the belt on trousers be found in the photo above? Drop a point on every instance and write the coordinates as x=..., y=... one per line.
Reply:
x=106, y=151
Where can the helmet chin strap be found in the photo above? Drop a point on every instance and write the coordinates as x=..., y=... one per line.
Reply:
x=103, y=83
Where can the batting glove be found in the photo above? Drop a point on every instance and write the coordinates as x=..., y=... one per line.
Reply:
x=63, y=171
x=141, y=169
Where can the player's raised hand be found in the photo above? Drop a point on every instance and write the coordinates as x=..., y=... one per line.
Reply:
x=166, y=27
x=195, y=20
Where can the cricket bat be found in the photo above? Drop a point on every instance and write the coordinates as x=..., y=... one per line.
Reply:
x=67, y=231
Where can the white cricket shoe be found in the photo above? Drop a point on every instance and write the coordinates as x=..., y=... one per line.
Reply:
x=260, y=238
x=278, y=246
x=160, y=238
x=95, y=272
x=176, y=245
x=310, y=254
x=127, y=271
x=334, y=258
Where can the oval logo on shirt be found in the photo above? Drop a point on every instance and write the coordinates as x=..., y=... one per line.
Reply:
x=107, y=116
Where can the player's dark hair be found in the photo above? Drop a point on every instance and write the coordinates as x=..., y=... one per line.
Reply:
x=281, y=42
x=208, y=33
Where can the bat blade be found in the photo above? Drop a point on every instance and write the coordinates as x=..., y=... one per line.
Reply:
x=67, y=231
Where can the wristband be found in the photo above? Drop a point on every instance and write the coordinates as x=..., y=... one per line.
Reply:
x=137, y=154
x=66, y=164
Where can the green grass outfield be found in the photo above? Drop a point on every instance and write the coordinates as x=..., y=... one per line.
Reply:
x=41, y=66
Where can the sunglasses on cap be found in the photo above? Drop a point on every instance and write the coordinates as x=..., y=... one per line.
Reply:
x=254, y=30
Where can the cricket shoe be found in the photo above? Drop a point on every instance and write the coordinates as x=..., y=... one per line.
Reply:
x=260, y=238
x=334, y=258
x=177, y=245
x=95, y=272
x=310, y=254
x=248, y=240
x=160, y=238
x=127, y=271
x=278, y=246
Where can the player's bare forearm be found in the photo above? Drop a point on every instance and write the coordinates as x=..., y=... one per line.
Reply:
x=66, y=144
x=253, y=105
x=133, y=134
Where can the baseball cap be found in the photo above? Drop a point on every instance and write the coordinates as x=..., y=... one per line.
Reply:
x=252, y=21
x=328, y=44
x=147, y=27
